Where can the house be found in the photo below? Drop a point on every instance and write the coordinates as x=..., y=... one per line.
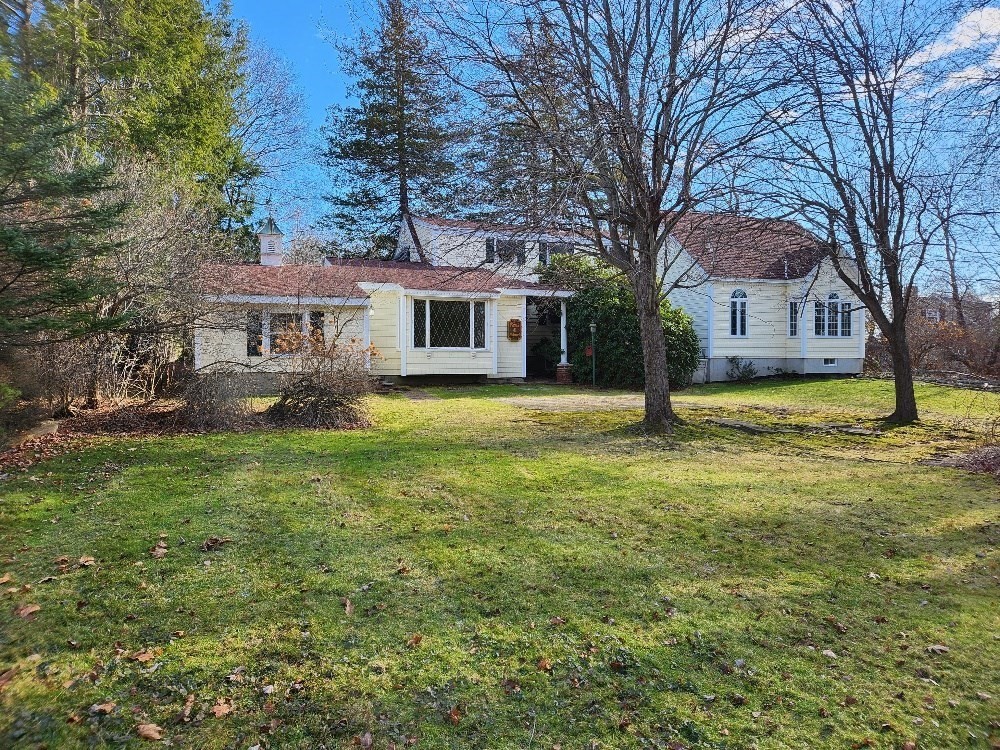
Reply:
x=421, y=319
x=758, y=289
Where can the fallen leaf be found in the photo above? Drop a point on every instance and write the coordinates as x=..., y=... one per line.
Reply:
x=415, y=640
x=222, y=707
x=143, y=656
x=829, y=654
x=984, y=696
x=348, y=606
x=27, y=612
x=73, y=719
x=544, y=664
x=908, y=745
x=556, y=621
x=103, y=708
x=850, y=700
x=938, y=648
x=403, y=569
x=6, y=677
x=5, y=578
x=214, y=542
x=365, y=740
x=86, y=561
x=149, y=732
x=511, y=686
x=186, y=711
x=454, y=716
x=159, y=551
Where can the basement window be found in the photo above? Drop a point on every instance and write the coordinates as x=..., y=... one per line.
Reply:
x=830, y=362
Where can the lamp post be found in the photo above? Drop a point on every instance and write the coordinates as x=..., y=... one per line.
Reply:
x=593, y=355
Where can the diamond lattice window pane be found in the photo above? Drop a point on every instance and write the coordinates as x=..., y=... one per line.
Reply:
x=449, y=324
x=479, y=320
x=419, y=324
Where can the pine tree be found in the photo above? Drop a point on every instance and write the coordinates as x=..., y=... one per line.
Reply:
x=395, y=152
x=53, y=223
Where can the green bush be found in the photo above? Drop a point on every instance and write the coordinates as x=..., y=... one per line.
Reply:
x=605, y=298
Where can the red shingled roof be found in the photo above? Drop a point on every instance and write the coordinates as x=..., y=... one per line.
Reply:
x=726, y=246
x=743, y=247
x=342, y=279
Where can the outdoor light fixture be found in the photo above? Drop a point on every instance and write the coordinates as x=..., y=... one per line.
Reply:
x=593, y=355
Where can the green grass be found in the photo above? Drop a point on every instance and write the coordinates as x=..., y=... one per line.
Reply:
x=699, y=578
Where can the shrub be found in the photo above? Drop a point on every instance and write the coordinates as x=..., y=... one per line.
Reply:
x=328, y=386
x=215, y=401
x=605, y=298
x=740, y=370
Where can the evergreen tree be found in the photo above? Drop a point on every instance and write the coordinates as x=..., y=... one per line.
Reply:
x=149, y=78
x=395, y=152
x=52, y=223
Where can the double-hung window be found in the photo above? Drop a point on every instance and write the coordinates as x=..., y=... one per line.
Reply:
x=793, y=317
x=449, y=324
x=738, y=313
x=833, y=317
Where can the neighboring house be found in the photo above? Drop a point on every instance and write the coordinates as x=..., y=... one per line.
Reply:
x=421, y=319
x=758, y=289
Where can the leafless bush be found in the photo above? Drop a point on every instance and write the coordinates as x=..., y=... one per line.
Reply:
x=216, y=401
x=329, y=384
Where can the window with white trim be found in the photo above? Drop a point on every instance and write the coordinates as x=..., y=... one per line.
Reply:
x=738, y=313
x=833, y=317
x=830, y=362
x=932, y=316
x=273, y=332
x=449, y=324
x=793, y=317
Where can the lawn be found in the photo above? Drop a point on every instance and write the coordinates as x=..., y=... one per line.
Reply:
x=475, y=571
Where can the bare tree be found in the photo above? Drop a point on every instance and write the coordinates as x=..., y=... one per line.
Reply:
x=635, y=112
x=880, y=145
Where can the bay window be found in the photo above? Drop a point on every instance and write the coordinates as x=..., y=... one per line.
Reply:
x=449, y=324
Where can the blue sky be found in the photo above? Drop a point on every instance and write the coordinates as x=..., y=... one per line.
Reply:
x=300, y=31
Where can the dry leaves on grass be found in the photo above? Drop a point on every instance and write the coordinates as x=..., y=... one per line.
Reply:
x=938, y=648
x=222, y=707
x=5, y=578
x=86, y=561
x=348, y=606
x=214, y=542
x=149, y=731
x=103, y=708
x=159, y=550
x=143, y=656
x=27, y=612
x=454, y=716
x=6, y=677
x=415, y=640
x=544, y=664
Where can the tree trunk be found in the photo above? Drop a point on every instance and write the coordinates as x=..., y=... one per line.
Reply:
x=902, y=372
x=660, y=415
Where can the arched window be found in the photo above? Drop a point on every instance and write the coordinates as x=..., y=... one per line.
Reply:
x=833, y=317
x=738, y=313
